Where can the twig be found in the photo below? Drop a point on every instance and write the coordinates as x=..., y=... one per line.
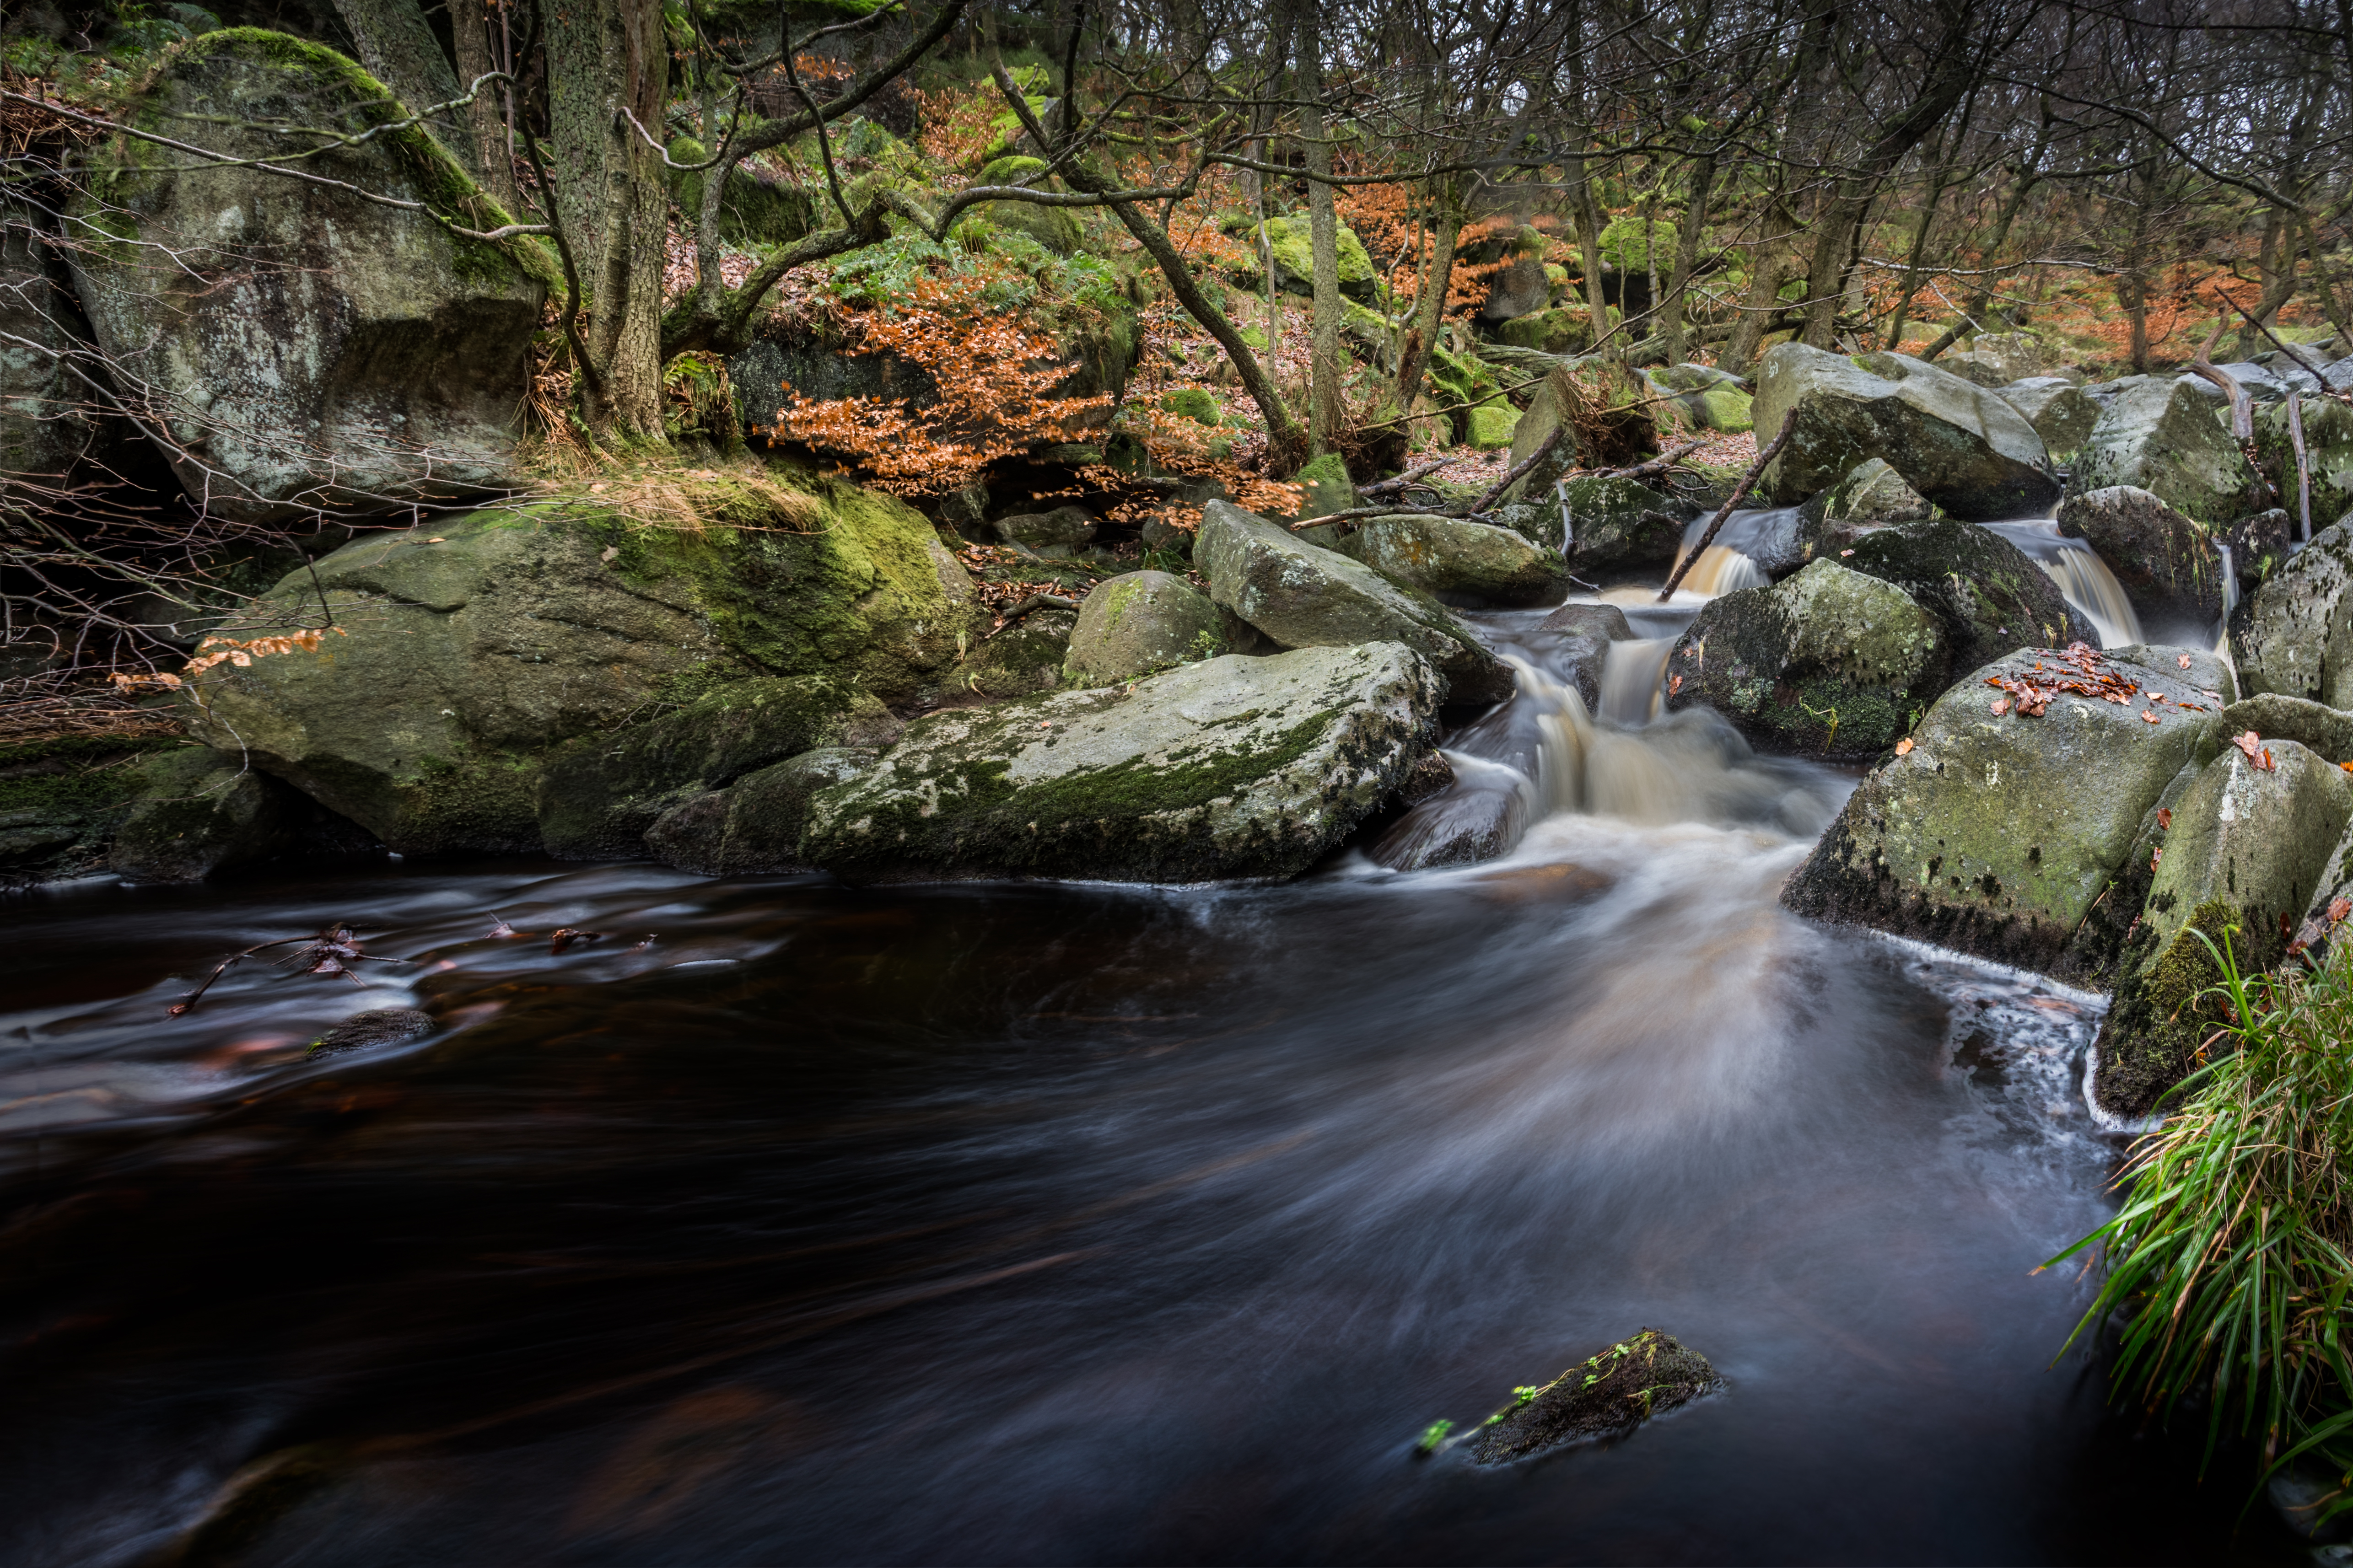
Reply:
x=2275, y=342
x=1401, y=482
x=2242, y=406
x=1354, y=512
x=1747, y=482
x=1657, y=464
x=1034, y=602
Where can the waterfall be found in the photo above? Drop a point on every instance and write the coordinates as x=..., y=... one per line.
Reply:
x=2083, y=579
x=1631, y=676
x=1720, y=569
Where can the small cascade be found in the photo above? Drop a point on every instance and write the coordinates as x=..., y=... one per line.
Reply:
x=2083, y=579
x=1631, y=677
x=1729, y=562
x=1720, y=569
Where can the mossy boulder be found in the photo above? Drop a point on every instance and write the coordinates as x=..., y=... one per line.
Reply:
x=1958, y=443
x=304, y=346
x=1192, y=402
x=2249, y=845
x=61, y=801
x=201, y=812
x=1996, y=833
x=1535, y=428
x=1990, y=596
x=2327, y=732
x=1294, y=258
x=1875, y=494
x=1829, y=663
x=51, y=424
x=1492, y=426
x=2165, y=436
x=1138, y=623
x=1620, y=522
x=1473, y=564
x=1233, y=767
x=1562, y=330
x=1022, y=657
x=2166, y=562
x=757, y=206
x=1714, y=399
x=1301, y=596
x=2328, y=452
x=1055, y=228
x=1607, y=1395
x=464, y=667
x=2294, y=635
x=2058, y=409
x=755, y=825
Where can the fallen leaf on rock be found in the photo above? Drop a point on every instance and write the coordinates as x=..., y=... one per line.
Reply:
x=2183, y=660
x=2250, y=743
x=2148, y=717
x=2154, y=857
x=2002, y=705
x=1904, y=747
x=2339, y=908
x=1674, y=684
x=565, y=938
x=2165, y=819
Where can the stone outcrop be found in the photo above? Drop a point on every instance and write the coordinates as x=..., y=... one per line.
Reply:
x=2059, y=411
x=1991, y=597
x=2166, y=562
x=1465, y=563
x=1997, y=832
x=1829, y=663
x=1302, y=595
x=1957, y=443
x=1138, y=623
x=1231, y=768
x=303, y=346
x=2163, y=437
x=2294, y=636
x=755, y=825
x=1619, y=523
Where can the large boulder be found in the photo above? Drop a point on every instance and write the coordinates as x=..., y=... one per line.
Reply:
x=1828, y=663
x=2166, y=562
x=203, y=812
x=1302, y=595
x=2327, y=732
x=51, y=422
x=304, y=346
x=1996, y=832
x=1294, y=258
x=2294, y=635
x=2000, y=359
x=470, y=660
x=1873, y=494
x=1231, y=768
x=1140, y=622
x=2328, y=453
x=1991, y=597
x=2058, y=409
x=754, y=826
x=2249, y=845
x=2165, y=436
x=1619, y=522
x=1472, y=562
x=1958, y=443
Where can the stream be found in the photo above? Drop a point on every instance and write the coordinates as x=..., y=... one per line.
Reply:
x=1067, y=1223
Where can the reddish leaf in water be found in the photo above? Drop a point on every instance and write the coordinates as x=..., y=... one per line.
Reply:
x=2164, y=818
x=498, y=926
x=2339, y=908
x=568, y=936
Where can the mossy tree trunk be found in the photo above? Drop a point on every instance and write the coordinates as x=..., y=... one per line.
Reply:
x=398, y=46
x=1326, y=366
x=469, y=27
x=608, y=62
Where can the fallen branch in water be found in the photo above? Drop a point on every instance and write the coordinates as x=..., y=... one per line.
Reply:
x=1034, y=602
x=1739, y=492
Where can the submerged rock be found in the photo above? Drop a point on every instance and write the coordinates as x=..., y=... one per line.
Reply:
x=2167, y=563
x=2249, y=845
x=1829, y=663
x=1139, y=621
x=1607, y=1394
x=381, y=1027
x=1469, y=561
x=307, y=346
x=1997, y=832
x=1302, y=595
x=1959, y=445
x=2293, y=637
x=2162, y=437
x=1234, y=767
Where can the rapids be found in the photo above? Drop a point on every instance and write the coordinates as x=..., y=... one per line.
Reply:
x=1069, y=1223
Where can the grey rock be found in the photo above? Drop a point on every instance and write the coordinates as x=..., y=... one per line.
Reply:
x=1231, y=768
x=754, y=827
x=2060, y=411
x=49, y=424
x=306, y=347
x=202, y=812
x=2295, y=635
x=1138, y=623
x=1991, y=597
x=1999, y=359
x=1829, y=663
x=2207, y=671
x=1304, y=596
x=1607, y=622
x=1996, y=834
x=1873, y=492
x=2327, y=732
x=1519, y=289
x=1463, y=561
x=1064, y=530
x=2329, y=455
x=1024, y=657
x=2164, y=437
x=2166, y=562
x=1621, y=522
x=1958, y=443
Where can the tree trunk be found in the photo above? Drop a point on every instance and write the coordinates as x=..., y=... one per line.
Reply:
x=469, y=25
x=1586, y=206
x=1326, y=365
x=1430, y=290
x=613, y=199
x=398, y=46
x=1703, y=189
x=1764, y=306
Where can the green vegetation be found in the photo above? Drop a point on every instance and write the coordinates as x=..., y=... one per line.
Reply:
x=2230, y=1256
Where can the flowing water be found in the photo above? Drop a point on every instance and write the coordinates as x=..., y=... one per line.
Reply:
x=1068, y=1222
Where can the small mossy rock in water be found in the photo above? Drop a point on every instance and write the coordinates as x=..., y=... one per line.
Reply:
x=2163, y=437
x=1607, y=1394
x=1828, y=664
x=2167, y=563
x=756, y=826
x=1294, y=258
x=1234, y=767
x=1055, y=228
x=2324, y=731
x=2060, y=411
x=1620, y=522
x=202, y=811
x=2294, y=635
x=1994, y=833
x=1481, y=815
x=599, y=796
x=1024, y=657
x=382, y=1026
x=1138, y=623
x=1063, y=529
x=309, y=346
x=1873, y=492
x=2249, y=847
x=1958, y=443
x=2328, y=452
x=1466, y=563
x=1305, y=596
x=1990, y=594
x=464, y=665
